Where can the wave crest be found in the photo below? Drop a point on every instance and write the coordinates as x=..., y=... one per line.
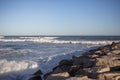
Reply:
x=56, y=41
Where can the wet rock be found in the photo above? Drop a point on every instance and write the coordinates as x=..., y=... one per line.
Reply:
x=46, y=75
x=57, y=70
x=36, y=75
x=39, y=72
x=65, y=62
x=63, y=68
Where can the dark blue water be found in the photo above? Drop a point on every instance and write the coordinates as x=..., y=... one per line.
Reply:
x=72, y=37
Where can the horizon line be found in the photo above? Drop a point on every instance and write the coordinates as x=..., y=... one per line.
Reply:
x=59, y=35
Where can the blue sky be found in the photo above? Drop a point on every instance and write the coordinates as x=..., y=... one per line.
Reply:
x=60, y=17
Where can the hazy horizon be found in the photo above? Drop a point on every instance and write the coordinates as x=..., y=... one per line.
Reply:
x=60, y=17
x=58, y=35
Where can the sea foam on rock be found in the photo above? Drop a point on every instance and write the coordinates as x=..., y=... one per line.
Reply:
x=98, y=64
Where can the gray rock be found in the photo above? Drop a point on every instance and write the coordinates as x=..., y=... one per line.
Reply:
x=85, y=62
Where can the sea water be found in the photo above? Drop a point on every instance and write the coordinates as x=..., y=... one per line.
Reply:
x=21, y=56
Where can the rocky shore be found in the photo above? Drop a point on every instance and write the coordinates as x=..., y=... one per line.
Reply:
x=102, y=63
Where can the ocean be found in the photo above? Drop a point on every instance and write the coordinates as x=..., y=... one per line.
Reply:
x=21, y=56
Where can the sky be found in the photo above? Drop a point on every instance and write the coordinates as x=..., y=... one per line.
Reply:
x=59, y=17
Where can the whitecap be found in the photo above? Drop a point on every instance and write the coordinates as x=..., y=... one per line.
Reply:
x=9, y=66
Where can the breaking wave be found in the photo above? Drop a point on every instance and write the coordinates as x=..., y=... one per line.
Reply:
x=56, y=40
x=9, y=66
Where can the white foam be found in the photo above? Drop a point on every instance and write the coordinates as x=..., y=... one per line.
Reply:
x=12, y=40
x=55, y=40
x=10, y=66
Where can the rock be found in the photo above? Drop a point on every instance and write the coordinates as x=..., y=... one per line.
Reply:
x=46, y=75
x=58, y=76
x=116, y=68
x=79, y=78
x=57, y=70
x=38, y=77
x=106, y=49
x=39, y=72
x=85, y=62
x=99, y=69
x=116, y=52
x=109, y=60
x=65, y=68
x=94, y=56
x=65, y=65
x=98, y=52
x=109, y=76
x=65, y=62
x=117, y=78
x=74, y=69
x=103, y=68
x=115, y=45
